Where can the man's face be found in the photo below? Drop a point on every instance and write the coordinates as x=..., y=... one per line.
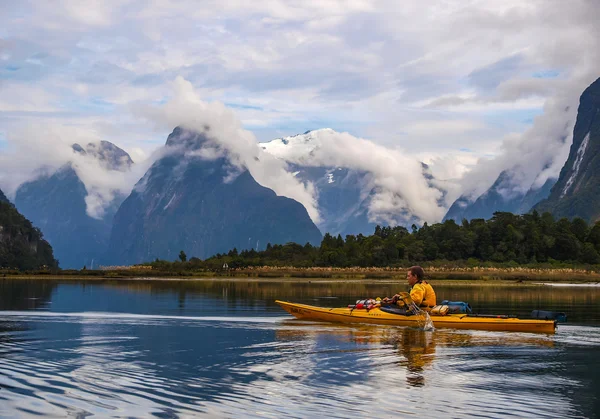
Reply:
x=412, y=279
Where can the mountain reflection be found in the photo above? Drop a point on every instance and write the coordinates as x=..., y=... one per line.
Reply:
x=24, y=294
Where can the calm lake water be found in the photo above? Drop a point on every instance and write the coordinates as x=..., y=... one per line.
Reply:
x=223, y=349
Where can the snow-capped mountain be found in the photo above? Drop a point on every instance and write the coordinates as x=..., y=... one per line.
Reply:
x=298, y=148
x=351, y=177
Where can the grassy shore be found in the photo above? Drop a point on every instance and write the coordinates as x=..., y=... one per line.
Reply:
x=478, y=274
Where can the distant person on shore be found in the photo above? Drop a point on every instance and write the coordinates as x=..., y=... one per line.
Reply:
x=421, y=292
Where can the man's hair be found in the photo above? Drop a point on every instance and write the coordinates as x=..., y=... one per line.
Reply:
x=417, y=271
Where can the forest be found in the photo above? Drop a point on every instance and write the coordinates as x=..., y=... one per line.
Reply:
x=505, y=240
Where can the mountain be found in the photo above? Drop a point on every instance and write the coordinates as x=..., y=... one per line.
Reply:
x=501, y=196
x=109, y=155
x=343, y=204
x=21, y=245
x=191, y=202
x=344, y=195
x=576, y=191
x=55, y=202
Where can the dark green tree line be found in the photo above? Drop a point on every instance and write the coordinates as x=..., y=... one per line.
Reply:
x=506, y=238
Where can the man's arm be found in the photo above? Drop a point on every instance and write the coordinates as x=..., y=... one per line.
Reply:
x=417, y=293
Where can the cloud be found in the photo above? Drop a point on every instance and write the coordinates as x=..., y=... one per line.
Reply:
x=222, y=126
x=398, y=179
x=29, y=155
x=489, y=77
x=536, y=155
x=369, y=68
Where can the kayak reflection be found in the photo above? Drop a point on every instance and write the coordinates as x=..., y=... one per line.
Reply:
x=415, y=347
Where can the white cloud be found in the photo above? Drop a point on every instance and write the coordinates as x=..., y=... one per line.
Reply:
x=534, y=156
x=30, y=154
x=430, y=80
x=20, y=97
x=222, y=126
x=397, y=178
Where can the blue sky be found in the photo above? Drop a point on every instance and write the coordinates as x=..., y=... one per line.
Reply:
x=444, y=80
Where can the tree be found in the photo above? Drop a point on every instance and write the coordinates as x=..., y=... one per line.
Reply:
x=589, y=254
x=594, y=236
x=182, y=256
x=566, y=245
x=579, y=228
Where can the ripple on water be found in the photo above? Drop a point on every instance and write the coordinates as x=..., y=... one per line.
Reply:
x=113, y=365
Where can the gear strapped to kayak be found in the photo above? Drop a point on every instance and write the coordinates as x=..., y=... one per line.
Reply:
x=408, y=308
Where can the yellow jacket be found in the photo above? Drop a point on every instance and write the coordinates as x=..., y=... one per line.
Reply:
x=423, y=295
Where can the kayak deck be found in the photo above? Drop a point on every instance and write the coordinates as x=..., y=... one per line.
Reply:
x=456, y=321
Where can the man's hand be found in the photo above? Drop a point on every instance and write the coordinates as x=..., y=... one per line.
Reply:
x=392, y=300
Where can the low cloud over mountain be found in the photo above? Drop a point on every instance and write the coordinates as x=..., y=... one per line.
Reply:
x=105, y=170
x=387, y=186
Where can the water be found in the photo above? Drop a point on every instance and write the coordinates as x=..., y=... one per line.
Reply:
x=224, y=349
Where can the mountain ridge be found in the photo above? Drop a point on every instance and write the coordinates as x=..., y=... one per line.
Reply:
x=193, y=203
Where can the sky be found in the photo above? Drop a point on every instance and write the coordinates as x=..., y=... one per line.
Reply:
x=469, y=87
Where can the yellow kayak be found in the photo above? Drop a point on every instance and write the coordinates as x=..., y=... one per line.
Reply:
x=456, y=321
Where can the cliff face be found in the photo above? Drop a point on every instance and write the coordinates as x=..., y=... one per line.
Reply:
x=576, y=193
x=193, y=203
x=21, y=245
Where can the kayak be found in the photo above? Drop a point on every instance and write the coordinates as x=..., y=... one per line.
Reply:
x=457, y=321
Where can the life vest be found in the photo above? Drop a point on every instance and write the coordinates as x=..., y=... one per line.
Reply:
x=423, y=295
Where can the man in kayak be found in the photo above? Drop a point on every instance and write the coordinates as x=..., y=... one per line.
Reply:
x=421, y=292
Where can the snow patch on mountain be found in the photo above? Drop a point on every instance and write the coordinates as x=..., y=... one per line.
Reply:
x=298, y=148
x=576, y=164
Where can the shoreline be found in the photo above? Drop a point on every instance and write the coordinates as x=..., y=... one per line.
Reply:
x=557, y=278
x=446, y=274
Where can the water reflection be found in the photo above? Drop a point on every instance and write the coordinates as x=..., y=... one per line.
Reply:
x=415, y=349
x=25, y=294
x=127, y=366
x=581, y=303
x=223, y=349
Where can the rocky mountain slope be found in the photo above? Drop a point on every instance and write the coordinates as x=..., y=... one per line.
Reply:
x=576, y=193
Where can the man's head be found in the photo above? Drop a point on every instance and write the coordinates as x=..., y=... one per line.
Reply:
x=415, y=274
